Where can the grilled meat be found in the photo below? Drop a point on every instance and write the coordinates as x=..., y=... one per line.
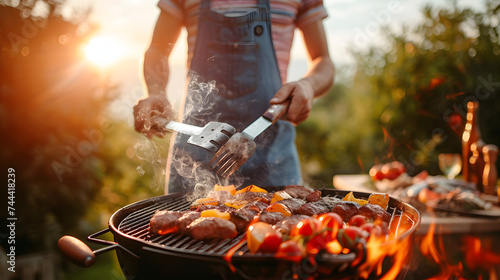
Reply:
x=288, y=223
x=206, y=228
x=313, y=208
x=314, y=196
x=346, y=209
x=374, y=212
x=242, y=218
x=221, y=208
x=164, y=222
x=271, y=217
x=187, y=219
x=258, y=205
x=251, y=196
x=293, y=204
x=298, y=191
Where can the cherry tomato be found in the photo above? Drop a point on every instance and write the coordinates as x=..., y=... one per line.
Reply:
x=376, y=173
x=399, y=167
x=331, y=220
x=368, y=227
x=289, y=250
x=357, y=220
x=389, y=172
x=316, y=244
x=271, y=243
x=307, y=227
x=350, y=236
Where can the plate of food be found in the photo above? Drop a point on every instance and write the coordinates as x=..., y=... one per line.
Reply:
x=438, y=193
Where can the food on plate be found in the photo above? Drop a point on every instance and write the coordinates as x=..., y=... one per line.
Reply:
x=390, y=171
x=446, y=194
x=391, y=175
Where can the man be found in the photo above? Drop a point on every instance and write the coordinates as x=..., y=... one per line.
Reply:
x=238, y=57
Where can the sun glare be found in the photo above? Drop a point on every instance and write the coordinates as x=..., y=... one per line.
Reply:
x=103, y=51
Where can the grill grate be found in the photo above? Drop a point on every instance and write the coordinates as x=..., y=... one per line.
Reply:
x=136, y=224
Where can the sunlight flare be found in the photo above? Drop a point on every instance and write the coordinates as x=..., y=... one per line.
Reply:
x=103, y=51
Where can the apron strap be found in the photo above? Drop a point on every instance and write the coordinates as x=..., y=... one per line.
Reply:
x=265, y=3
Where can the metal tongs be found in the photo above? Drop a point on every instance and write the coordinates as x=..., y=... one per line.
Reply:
x=210, y=137
x=241, y=146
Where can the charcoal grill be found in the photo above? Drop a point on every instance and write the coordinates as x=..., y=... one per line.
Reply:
x=143, y=255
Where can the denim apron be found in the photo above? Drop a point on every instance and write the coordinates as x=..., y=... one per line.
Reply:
x=233, y=76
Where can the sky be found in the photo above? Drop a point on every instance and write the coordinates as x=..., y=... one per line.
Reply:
x=350, y=24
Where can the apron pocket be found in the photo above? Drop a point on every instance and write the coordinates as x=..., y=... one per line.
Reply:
x=233, y=66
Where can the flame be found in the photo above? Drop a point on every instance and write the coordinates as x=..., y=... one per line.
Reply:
x=478, y=257
x=437, y=255
x=392, y=247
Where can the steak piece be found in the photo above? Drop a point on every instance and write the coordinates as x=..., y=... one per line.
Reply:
x=374, y=212
x=298, y=191
x=164, y=221
x=187, y=219
x=330, y=202
x=242, y=218
x=251, y=196
x=258, y=205
x=314, y=196
x=206, y=228
x=271, y=217
x=313, y=208
x=346, y=209
x=289, y=223
x=221, y=208
x=293, y=204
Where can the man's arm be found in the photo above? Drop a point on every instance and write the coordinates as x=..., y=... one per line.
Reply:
x=316, y=82
x=156, y=73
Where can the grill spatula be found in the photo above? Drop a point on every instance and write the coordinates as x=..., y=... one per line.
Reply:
x=210, y=137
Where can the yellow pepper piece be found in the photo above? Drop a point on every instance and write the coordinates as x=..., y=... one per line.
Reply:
x=380, y=199
x=251, y=188
x=236, y=204
x=215, y=213
x=205, y=201
x=278, y=207
x=350, y=197
x=231, y=188
x=280, y=195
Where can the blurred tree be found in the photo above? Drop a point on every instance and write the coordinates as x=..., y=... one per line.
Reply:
x=50, y=119
x=407, y=99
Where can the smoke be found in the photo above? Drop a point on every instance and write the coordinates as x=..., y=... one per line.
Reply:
x=200, y=100
x=153, y=154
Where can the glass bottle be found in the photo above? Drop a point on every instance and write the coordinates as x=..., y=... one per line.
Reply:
x=490, y=175
x=471, y=134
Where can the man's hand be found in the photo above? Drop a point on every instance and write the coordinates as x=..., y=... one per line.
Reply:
x=301, y=95
x=146, y=109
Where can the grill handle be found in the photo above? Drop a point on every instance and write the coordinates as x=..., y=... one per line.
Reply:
x=81, y=254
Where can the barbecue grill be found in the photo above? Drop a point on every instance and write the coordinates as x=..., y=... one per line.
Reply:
x=143, y=255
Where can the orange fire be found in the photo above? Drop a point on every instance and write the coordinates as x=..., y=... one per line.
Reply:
x=393, y=248
x=437, y=255
x=477, y=257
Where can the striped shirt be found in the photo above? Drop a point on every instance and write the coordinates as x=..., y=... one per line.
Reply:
x=286, y=15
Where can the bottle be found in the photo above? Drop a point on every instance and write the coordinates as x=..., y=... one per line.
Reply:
x=476, y=164
x=490, y=175
x=470, y=135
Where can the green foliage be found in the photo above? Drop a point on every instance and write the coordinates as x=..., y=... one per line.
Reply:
x=407, y=99
x=50, y=104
